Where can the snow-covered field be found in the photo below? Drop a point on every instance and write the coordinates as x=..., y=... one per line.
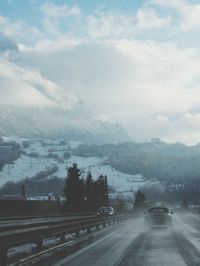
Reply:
x=27, y=166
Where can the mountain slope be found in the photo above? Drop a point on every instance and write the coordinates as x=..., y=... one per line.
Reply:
x=76, y=123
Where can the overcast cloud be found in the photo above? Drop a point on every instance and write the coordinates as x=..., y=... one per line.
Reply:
x=139, y=67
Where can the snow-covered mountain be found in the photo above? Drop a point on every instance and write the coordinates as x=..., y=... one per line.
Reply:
x=75, y=124
x=32, y=105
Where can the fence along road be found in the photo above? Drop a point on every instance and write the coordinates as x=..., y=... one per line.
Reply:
x=36, y=234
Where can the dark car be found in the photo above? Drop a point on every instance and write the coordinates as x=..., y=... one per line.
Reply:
x=105, y=211
x=158, y=216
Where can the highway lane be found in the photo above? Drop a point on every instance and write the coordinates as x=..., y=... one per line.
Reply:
x=135, y=244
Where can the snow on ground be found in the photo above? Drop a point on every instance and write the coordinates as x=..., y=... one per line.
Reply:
x=120, y=181
x=27, y=166
x=23, y=167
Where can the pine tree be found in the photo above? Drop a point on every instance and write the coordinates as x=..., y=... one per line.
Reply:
x=139, y=200
x=74, y=189
x=101, y=191
x=120, y=203
x=90, y=193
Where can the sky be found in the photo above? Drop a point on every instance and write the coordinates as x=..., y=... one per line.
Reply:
x=133, y=62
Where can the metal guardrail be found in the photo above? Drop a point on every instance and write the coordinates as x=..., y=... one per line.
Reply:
x=43, y=257
x=36, y=234
x=6, y=226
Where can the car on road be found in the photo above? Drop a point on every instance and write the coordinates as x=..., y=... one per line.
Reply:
x=158, y=216
x=105, y=211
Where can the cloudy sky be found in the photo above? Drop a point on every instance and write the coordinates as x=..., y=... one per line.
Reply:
x=132, y=62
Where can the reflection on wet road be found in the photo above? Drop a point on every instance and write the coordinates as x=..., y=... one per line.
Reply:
x=135, y=244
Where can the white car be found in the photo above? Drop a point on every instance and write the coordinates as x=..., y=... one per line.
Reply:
x=105, y=211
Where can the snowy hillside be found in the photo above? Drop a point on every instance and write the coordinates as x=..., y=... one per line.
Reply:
x=27, y=166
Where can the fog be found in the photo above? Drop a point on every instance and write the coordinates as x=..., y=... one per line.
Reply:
x=138, y=68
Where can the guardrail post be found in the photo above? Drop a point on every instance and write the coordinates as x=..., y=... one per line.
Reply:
x=62, y=237
x=97, y=227
x=104, y=225
x=77, y=233
x=3, y=256
x=39, y=244
x=88, y=230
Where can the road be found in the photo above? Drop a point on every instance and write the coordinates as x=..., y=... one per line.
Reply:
x=134, y=244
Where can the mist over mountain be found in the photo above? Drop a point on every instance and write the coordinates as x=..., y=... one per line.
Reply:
x=171, y=163
x=33, y=106
x=53, y=122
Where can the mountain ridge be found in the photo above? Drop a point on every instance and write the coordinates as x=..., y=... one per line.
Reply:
x=53, y=122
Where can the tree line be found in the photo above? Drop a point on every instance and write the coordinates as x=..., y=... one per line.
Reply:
x=89, y=194
x=84, y=194
x=169, y=163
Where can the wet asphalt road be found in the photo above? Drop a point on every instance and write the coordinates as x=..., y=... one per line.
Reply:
x=135, y=244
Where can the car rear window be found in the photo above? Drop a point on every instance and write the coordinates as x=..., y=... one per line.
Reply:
x=158, y=210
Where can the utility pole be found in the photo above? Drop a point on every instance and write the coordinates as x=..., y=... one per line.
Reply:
x=23, y=191
x=106, y=188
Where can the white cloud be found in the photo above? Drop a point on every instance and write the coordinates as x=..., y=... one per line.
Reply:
x=16, y=90
x=49, y=46
x=150, y=87
x=169, y=3
x=140, y=84
x=19, y=31
x=148, y=19
x=53, y=15
x=58, y=11
x=109, y=25
x=23, y=86
x=189, y=13
x=112, y=25
x=190, y=17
